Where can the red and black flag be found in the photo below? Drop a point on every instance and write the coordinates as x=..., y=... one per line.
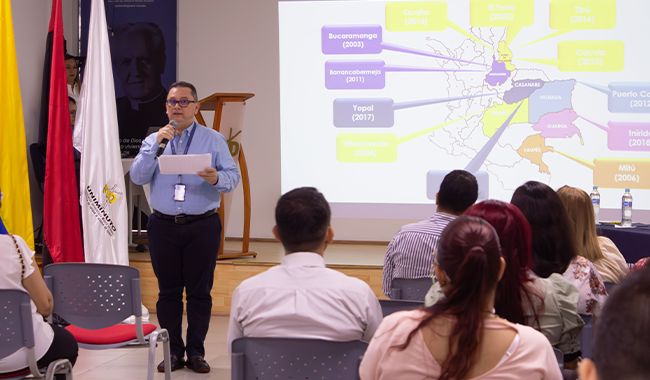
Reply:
x=61, y=207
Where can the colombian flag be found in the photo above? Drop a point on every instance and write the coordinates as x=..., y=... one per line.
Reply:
x=16, y=210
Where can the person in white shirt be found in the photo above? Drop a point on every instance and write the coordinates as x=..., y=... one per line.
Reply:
x=301, y=298
x=51, y=342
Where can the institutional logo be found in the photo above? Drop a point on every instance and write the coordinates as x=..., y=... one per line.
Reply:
x=101, y=210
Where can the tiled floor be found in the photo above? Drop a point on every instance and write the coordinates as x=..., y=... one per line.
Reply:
x=131, y=363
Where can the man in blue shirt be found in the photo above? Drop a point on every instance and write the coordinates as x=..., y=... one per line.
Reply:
x=184, y=229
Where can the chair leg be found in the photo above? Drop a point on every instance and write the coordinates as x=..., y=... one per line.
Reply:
x=163, y=336
x=166, y=355
x=59, y=367
x=237, y=366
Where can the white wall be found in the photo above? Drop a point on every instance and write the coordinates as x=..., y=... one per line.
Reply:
x=224, y=46
x=232, y=46
x=31, y=19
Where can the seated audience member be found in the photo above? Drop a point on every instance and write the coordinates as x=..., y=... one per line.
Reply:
x=554, y=247
x=18, y=271
x=409, y=254
x=550, y=305
x=72, y=105
x=460, y=337
x=72, y=77
x=641, y=264
x=622, y=336
x=301, y=298
x=600, y=250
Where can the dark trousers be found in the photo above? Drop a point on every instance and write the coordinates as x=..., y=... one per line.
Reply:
x=184, y=257
x=63, y=346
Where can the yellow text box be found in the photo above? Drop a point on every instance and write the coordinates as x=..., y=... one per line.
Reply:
x=582, y=14
x=493, y=13
x=366, y=147
x=621, y=173
x=591, y=55
x=496, y=115
x=416, y=16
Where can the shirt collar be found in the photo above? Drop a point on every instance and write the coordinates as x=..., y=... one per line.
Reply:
x=303, y=259
x=443, y=216
x=186, y=133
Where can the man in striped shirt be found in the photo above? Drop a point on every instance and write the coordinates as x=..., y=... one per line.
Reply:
x=409, y=254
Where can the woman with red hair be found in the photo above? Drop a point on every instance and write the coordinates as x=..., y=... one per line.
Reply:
x=547, y=304
x=460, y=337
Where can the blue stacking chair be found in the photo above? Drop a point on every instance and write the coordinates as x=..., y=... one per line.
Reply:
x=18, y=332
x=559, y=355
x=410, y=289
x=586, y=336
x=95, y=298
x=292, y=358
x=391, y=306
x=610, y=286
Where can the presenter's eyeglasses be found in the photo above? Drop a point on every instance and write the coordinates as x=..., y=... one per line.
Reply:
x=183, y=103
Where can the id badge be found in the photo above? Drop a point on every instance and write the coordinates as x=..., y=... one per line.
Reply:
x=179, y=192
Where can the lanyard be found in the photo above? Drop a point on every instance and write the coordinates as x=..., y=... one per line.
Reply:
x=187, y=147
x=189, y=141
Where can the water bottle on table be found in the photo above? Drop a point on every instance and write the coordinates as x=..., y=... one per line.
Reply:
x=595, y=200
x=626, y=209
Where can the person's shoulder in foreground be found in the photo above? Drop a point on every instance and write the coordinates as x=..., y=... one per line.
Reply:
x=532, y=358
x=622, y=334
x=301, y=297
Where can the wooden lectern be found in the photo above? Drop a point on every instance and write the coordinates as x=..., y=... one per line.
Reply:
x=215, y=102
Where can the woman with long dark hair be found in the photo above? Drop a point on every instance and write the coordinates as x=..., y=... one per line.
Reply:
x=554, y=246
x=550, y=305
x=460, y=337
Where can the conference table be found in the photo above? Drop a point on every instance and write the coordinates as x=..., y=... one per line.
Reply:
x=634, y=243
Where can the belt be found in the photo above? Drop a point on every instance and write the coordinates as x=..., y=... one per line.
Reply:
x=183, y=218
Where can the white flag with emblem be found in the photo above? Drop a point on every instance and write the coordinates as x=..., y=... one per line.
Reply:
x=96, y=136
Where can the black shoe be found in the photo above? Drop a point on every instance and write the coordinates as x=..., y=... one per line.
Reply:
x=175, y=361
x=198, y=364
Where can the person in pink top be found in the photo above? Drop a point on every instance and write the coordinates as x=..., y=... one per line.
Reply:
x=460, y=337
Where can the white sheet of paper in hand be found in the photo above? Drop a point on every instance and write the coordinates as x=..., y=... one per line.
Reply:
x=184, y=164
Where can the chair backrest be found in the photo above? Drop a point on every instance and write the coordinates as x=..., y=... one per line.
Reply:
x=586, y=336
x=559, y=355
x=37, y=162
x=610, y=286
x=410, y=289
x=94, y=296
x=390, y=306
x=17, y=330
x=286, y=358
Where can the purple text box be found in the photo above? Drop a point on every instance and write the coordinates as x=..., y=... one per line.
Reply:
x=628, y=136
x=629, y=97
x=361, y=113
x=355, y=75
x=351, y=39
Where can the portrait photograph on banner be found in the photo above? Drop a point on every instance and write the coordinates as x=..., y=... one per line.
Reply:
x=142, y=36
